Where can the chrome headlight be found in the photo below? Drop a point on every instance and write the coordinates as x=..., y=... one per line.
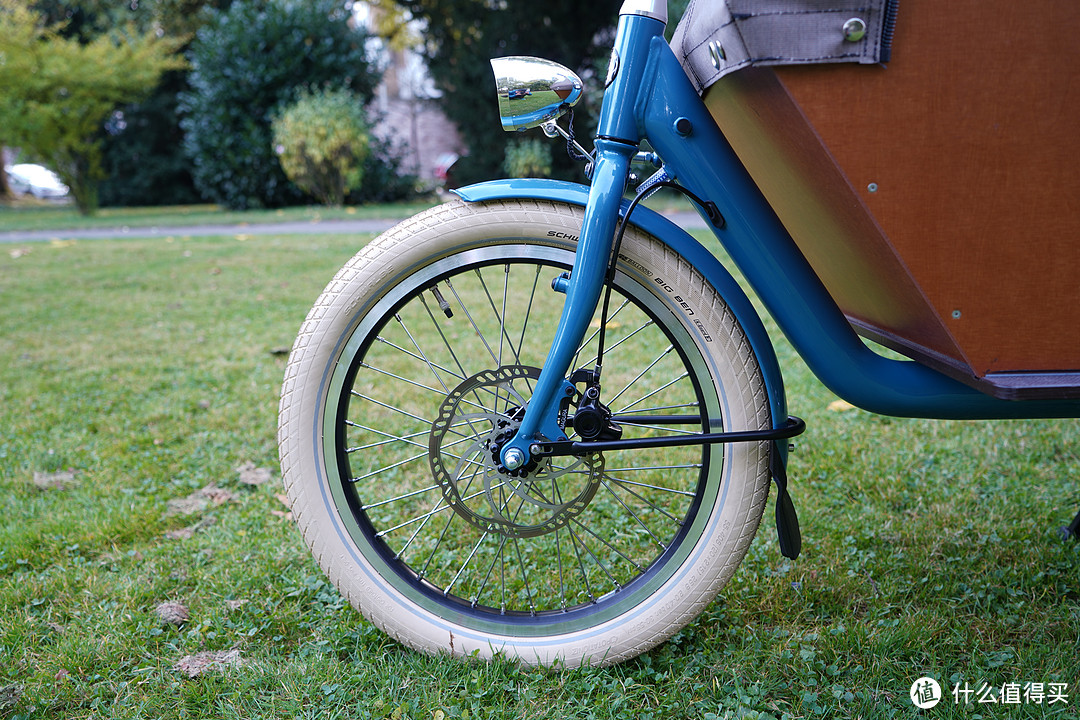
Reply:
x=533, y=91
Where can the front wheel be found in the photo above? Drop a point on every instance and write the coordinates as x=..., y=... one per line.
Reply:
x=417, y=363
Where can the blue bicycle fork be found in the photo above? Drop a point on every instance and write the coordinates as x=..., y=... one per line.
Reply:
x=617, y=142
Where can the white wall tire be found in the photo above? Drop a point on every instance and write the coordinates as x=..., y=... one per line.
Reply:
x=662, y=532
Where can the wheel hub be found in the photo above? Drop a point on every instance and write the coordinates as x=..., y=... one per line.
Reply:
x=475, y=421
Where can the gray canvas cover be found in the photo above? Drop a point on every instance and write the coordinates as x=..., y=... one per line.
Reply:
x=716, y=37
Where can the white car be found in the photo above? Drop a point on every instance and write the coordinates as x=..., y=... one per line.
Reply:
x=36, y=180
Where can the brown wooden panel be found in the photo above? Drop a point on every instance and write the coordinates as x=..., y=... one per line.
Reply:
x=970, y=139
x=826, y=216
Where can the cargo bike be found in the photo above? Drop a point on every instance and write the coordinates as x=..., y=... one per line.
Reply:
x=542, y=420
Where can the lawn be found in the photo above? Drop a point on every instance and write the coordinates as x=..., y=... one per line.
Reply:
x=37, y=215
x=138, y=399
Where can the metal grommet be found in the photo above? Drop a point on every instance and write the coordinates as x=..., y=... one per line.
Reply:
x=717, y=54
x=854, y=29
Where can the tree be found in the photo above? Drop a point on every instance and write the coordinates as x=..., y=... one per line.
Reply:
x=248, y=62
x=462, y=35
x=55, y=92
x=142, y=151
x=322, y=140
x=142, y=154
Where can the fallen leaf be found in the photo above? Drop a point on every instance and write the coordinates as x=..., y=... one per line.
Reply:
x=61, y=480
x=204, y=662
x=18, y=253
x=251, y=475
x=187, y=505
x=840, y=406
x=281, y=514
x=198, y=501
x=236, y=604
x=58, y=243
x=216, y=495
x=186, y=533
x=284, y=500
x=173, y=613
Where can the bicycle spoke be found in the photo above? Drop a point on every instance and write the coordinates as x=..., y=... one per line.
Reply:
x=654, y=392
x=528, y=310
x=411, y=354
x=464, y=565
x=380, y=471
x=479, y=332
x=644, y=500
x=423, y=356
x=390, y=439
x=668, y=429
x=406, y=413
x=596, y=561
x=658, y=408
x=399, y=498
x=608, y=349
x=642, y=374
x=634, y=515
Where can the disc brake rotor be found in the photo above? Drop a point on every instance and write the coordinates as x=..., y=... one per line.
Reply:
x=474, y=422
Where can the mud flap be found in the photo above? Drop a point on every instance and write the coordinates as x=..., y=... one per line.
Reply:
x=787, y=521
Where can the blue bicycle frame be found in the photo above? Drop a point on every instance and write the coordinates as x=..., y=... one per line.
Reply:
x=651, y=98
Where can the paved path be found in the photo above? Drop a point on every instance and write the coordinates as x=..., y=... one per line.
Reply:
x=688, y=219
x=336, y=227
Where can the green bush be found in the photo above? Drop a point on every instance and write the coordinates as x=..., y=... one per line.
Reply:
x=247, y=63
x=528, y=158
x=322, y=141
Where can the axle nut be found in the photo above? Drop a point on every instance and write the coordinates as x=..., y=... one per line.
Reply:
x=514, y=459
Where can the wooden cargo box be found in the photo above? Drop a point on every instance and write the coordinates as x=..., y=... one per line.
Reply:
x=938, y=196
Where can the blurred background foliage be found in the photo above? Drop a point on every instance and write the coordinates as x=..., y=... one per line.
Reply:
x=204, y=132
x=57, y=88
x=248, y=62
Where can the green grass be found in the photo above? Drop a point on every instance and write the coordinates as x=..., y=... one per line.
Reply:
x=40, y=216
x=150, y=368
